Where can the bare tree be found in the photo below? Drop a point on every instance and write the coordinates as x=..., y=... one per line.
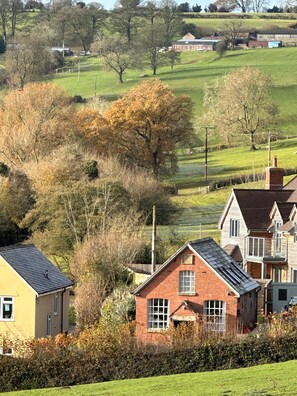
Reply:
x=117, y=54
x=239, y=103
x=231, y=30
x=123, y=18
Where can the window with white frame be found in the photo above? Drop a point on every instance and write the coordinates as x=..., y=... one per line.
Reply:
x=294, y=275
x=278, y=236
x=56, y=302
x=234, y=228
x=186, y=282
x=158, y=313
x=215, y=314
x=6, y=308
x=49, y=325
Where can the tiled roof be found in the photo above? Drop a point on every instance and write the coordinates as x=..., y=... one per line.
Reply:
x=255, y=205
x=234, y=252
x=224, y=265
x=34, y=268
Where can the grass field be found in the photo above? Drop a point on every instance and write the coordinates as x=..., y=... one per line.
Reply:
x=247, y=24
x=265, y=380
x=189, y=77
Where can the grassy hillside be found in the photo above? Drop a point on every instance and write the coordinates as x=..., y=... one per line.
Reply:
x=249, y=24
x=272, y=379
x=196, y=69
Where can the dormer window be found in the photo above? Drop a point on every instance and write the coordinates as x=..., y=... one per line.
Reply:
x=234, y=228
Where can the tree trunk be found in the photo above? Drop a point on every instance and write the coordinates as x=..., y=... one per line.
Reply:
x=120, y=73
x=252, y=143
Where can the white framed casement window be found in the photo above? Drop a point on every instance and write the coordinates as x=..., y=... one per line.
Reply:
x=187, y=259
x=277, y=274
x=294, y=275
x=158, y=313
x=49, y=325
x=56, y=302
x=6, y=308
x=186, y=282
x=234, y=228
x=215, y=315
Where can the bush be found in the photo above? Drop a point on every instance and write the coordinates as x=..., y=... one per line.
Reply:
x=106, y=353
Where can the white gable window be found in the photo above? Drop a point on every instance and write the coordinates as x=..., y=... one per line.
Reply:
x=6, y=308
x=158, y=313
x=186, y=282
x=234, y=228
x=215, y=315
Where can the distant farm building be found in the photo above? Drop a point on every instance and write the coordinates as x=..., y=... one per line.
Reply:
x=273, y=38
x=190, y=43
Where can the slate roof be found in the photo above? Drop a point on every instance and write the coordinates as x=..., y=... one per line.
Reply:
x=224, y=265
x=277, y=31
x=255, y=205
x=35, y=268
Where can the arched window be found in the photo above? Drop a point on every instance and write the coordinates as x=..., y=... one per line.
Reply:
x=158, y=313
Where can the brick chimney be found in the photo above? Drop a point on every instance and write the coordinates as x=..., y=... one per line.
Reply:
x=274, y=177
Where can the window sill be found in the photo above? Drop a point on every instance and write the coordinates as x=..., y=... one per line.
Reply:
x=187, y=294
x=157, y=330
x=6, y=320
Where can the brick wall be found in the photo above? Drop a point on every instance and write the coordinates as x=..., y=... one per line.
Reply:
x=208, y=286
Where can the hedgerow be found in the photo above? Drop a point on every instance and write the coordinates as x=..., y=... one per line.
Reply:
x=104, y=354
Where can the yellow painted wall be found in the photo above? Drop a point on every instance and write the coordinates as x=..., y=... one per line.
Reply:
x=45, y=306
x=12, y=285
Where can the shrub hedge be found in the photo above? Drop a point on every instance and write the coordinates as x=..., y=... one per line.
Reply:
x=69, y=366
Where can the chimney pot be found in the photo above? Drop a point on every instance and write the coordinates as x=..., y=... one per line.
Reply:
x=275, y=162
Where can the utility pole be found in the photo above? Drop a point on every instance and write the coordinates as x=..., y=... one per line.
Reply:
x=95, y=86
x=154, y=234
x=269, y=148
x=206, y=150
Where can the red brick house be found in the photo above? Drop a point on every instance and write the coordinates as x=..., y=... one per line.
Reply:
x=199, y=280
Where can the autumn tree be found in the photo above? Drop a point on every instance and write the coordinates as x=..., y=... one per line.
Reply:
x=117, y=54
x=240, y=103
x=147, y=125
x=32, y=128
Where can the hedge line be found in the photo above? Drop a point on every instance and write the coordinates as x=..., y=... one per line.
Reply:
x=244, y=179
x=67, y=367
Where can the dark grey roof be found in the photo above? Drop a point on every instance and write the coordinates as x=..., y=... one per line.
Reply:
x=35, y=268
x=277, y=31
x=223, y=264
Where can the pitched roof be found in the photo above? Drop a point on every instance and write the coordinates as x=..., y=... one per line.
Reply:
x=35, y=268
x=214, y=256
x=255, y=205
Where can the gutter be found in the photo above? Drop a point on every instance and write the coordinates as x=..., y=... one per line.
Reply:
x=62, y=309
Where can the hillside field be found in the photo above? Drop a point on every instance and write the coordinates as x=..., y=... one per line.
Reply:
x=265, y=380
x=190, y=76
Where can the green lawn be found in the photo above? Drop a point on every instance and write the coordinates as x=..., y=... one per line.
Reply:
x=265, y=380
x=189, y=77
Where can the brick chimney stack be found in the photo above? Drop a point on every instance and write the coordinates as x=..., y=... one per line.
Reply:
x=274, y=177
